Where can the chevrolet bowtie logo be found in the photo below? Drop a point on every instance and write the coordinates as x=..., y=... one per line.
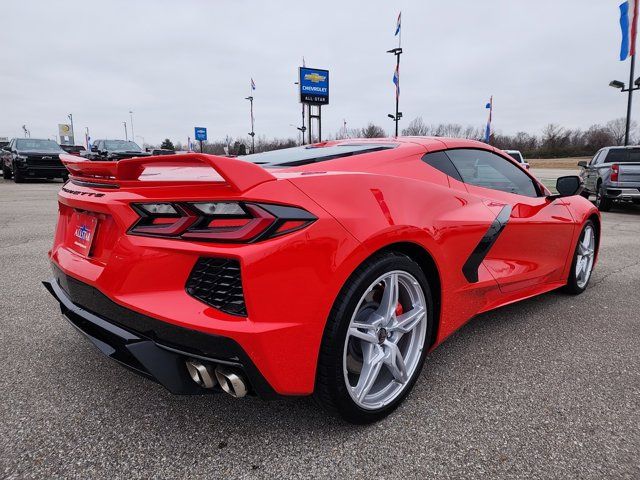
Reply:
x=315, y=77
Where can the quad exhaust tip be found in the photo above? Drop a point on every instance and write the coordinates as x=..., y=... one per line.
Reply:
x=231, y=381
x=201, y=374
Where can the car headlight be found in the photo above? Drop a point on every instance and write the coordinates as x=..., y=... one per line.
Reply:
x=21, y=158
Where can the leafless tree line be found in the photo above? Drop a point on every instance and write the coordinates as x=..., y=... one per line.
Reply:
x=554, y=140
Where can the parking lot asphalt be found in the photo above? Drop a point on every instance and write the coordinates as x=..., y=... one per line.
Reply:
x=547, y=388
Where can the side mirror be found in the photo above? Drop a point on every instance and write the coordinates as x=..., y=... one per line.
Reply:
x=582, y=163
x=568, y=186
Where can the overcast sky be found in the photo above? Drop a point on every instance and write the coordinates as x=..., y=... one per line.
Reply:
x=180, y=64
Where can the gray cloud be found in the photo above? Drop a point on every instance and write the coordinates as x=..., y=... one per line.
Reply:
x=181, y=64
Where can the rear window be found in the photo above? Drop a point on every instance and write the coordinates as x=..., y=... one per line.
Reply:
x=622, y=155
x=291, y=157
x=516, y=156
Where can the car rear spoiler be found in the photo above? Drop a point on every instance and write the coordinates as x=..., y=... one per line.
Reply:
x=239, y=175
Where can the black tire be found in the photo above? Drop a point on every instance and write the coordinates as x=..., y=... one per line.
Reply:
x=572, y=286
x=602, y=202
x=17, y=176
x=585, y=194
x=6, y=173
x=65, y=177
x=330, y=389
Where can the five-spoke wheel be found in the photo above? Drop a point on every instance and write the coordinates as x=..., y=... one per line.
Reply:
x=385, y=339
x=376, y=339
x=583, y=259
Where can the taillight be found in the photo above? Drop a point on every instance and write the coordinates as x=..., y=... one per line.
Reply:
x=615, y=170
x=239, y=222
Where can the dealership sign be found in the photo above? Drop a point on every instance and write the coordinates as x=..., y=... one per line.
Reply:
x=65, y=132
x=201, y=134
x=314, y=86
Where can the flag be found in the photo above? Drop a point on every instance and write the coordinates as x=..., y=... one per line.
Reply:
x=303, y=64
x=253, y=84
x=396, y=80
x=629, y=26
x=398, y=25
x=487, y=133
x=87, y=141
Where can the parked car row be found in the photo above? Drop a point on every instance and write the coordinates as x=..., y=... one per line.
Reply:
x=31, y=158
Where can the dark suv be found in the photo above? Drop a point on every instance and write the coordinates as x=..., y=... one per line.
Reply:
x=32, y=158
x=114, y=150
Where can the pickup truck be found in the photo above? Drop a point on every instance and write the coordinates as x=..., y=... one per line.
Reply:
x=32, y=158
x=114, y=150
x=612, y=175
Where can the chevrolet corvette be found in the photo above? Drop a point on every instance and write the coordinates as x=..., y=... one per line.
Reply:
x=329, y=269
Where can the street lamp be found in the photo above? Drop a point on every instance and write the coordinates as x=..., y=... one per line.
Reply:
x=131, y=116
x=252, y=134
x=623, y=88
x=396, y=118
x=73, y=133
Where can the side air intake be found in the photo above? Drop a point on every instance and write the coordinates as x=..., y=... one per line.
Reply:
x=217, y=282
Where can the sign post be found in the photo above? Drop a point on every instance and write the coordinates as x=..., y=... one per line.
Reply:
x=314, y=91
x=200, y=135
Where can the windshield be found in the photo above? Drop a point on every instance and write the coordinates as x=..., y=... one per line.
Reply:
x=28, y=144
x=289, y=157
x=121, y=146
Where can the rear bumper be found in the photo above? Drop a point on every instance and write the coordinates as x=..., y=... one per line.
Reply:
x=147, y=346
x=623, y=193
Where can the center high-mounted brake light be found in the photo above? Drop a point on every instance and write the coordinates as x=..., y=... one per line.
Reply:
x=226, y=221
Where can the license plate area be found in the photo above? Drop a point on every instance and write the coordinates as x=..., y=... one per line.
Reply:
x=82, y=231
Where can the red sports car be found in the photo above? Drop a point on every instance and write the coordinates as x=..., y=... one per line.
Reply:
x=328, y=269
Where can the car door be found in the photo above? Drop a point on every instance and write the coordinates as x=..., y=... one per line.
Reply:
x=531, y=235
x=589, y=173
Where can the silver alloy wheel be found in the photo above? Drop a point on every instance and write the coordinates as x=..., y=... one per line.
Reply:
x=383, y=348
x=585, y=256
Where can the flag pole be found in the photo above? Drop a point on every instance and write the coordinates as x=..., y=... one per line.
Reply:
x=630, y=100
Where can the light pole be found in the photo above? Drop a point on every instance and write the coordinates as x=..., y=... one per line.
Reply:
x=126, y=136
x=73, y=132
x=131, y=116
x=623, y=88
x=252, y=134
x=302, y=128
x=396, y=79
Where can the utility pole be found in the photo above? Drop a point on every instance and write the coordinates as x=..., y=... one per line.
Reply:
x=126, y=137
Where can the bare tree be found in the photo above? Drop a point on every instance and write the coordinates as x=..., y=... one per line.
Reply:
x=372, y=131
x=617, y=129
x=416, y=128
